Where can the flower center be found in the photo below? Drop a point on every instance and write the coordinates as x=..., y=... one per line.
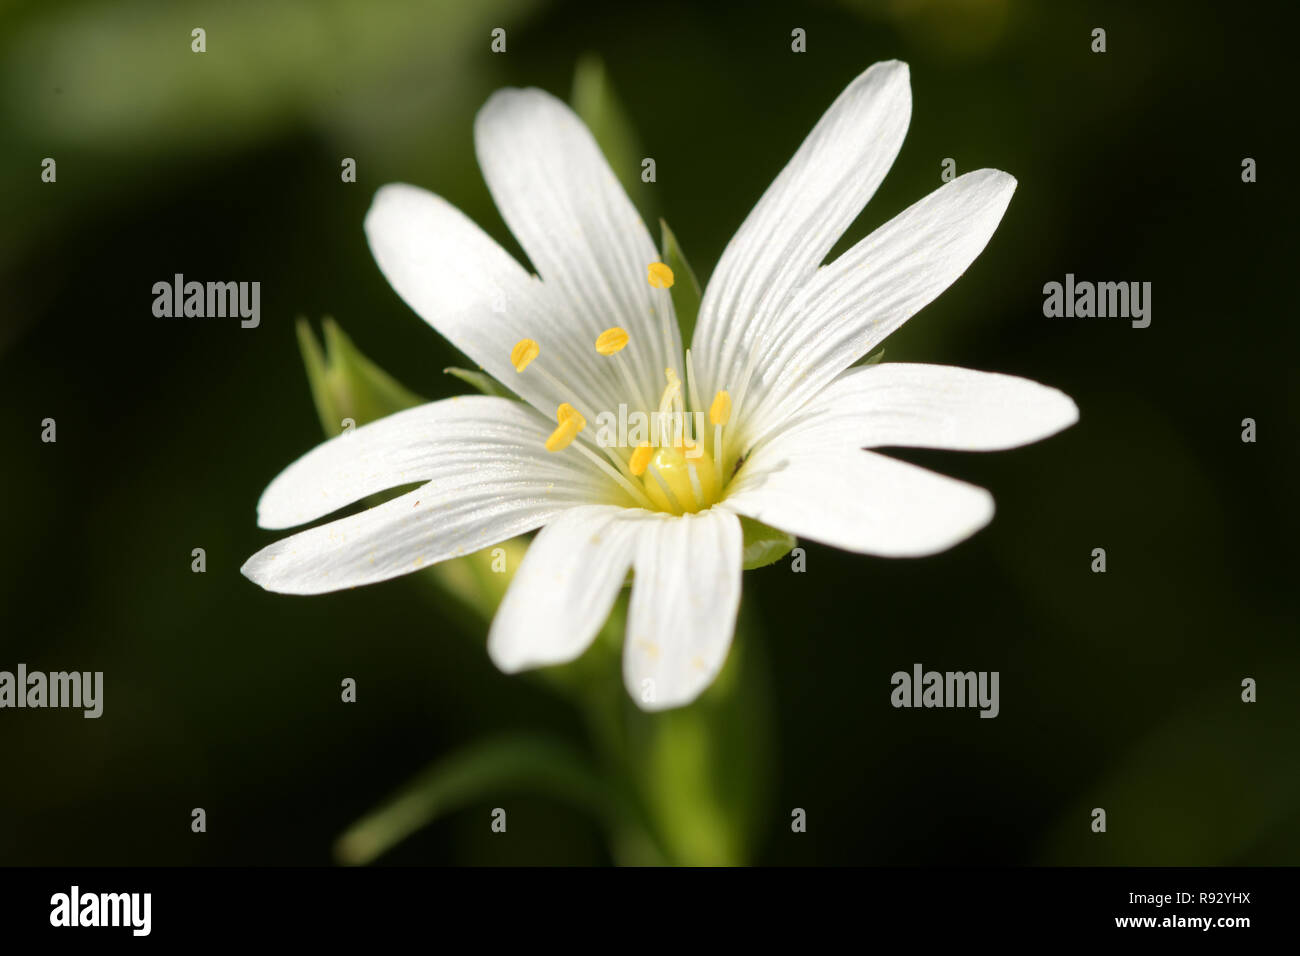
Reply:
x=681, y=478
x=670, y=460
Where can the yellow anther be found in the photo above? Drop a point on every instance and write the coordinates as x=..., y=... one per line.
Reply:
x=525, y=351
x=611, y=341
x=566, y=412
x=640, y=459
x=565, y=433
x=660, y=276
x=720, y=410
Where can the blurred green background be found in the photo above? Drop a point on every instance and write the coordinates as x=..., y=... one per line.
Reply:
x=1119, y=690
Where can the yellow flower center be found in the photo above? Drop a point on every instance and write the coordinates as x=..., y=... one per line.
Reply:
x=682, y=468
x=681, y=479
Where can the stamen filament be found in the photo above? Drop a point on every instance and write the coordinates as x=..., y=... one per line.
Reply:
x=557, y=436
x=672, y=395
x=638, y=495
x=561, y=389
x=660, y=276
x=692, y=393
x=612, y=342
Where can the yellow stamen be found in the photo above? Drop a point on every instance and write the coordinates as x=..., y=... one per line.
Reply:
x=566, y=412
x=640, y=459
x=565, y=433
x=660, y=276
x=525, y=351
x=720, y=410
x=611, y=341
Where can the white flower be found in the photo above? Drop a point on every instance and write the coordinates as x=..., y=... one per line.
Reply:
x=770, y=364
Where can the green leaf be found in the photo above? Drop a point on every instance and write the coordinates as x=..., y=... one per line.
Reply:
x=764, y=545
x=345, y=384
x=872, y=359
x=594, y=101
x=482, y=381
x=520, y=763
x=686, y=288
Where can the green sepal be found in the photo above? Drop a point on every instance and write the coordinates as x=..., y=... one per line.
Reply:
x=482, y=381
x=345, y=384
x=764, y=545
x=686, y=288
x=594, y=101
x=872, y=359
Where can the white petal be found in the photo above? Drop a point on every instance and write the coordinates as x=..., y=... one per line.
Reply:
x=481, y=300
x=685, y=595
x=455, y=441
x=564, y=589
x=858, y=500
x=488, y=478
x=800, y=217
x=559, y=197
x=930, y=406
x=869, y=291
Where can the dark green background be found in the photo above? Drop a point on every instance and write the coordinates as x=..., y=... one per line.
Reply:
x=1118, y=690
